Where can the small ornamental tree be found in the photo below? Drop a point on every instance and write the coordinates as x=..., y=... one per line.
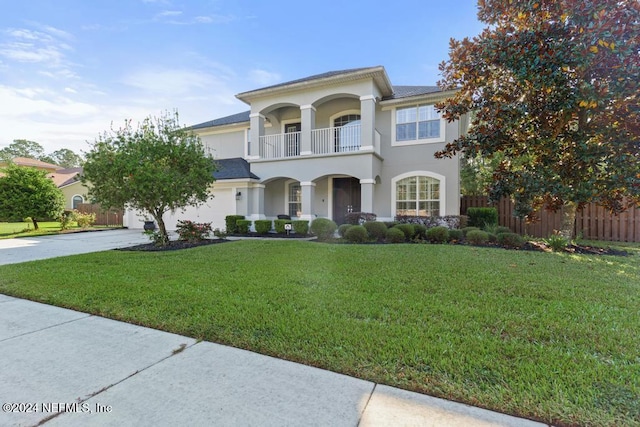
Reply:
x=28, y=192
x=554, y=88
x=155, y=167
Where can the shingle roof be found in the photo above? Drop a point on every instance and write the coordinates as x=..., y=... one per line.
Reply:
x=317, y=77
x=234, y=168
x=26, y=161
x=228, y=120
x=408, y=91
x=64, y=177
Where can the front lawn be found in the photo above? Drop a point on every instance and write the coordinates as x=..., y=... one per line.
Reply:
x=9, y=230
x=547, y=336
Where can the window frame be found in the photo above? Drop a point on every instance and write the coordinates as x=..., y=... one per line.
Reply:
x=417, y=174
x=417, y=140
x=287, y=198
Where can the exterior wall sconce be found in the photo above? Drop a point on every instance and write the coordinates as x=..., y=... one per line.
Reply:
x=238, y=195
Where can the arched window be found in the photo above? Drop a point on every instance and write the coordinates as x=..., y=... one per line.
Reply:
x=418, y=196
x=347, y=133
x=76, y=201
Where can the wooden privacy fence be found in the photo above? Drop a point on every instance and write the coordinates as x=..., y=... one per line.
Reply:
x=110, y=218
x=592, y=222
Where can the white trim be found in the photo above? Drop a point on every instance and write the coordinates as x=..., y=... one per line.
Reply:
x=308, y=184
x=443, y=188
x=395, y=143
x=73, y=197
x=343, y=113
x=252, y=115
x=285, y=122
x=367, y=98
x=367, y=181
x=307, y=107
x=287, y=184
x=247, y=133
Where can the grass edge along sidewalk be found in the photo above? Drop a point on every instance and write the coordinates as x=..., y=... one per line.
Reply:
x=546, y=336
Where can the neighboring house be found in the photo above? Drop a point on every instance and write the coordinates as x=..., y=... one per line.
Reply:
x=329, y=144
x=67, y=180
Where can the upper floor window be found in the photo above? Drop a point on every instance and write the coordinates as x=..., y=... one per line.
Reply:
x=418, y=122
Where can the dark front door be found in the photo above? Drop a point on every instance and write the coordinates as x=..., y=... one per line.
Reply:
x=346, y=198
x=292, y=139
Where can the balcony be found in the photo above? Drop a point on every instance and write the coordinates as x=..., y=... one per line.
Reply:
x=324, y=142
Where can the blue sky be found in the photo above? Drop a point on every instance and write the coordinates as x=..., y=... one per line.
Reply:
x=69, y=68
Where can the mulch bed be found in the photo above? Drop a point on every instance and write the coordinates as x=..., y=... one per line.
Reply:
x=173, y=245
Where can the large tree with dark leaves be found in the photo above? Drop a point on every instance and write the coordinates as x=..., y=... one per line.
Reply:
x=555, y=87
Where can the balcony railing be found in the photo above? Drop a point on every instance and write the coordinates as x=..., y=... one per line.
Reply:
x=280, y=146
x=335, y=140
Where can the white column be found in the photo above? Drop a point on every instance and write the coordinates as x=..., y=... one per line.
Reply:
x=308, y=122
x=368, y=120
x=257, y=130
x=257, y=202
x=308, y=195
x=366, y=195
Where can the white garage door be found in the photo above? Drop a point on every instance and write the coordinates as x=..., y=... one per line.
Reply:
x=214, y=211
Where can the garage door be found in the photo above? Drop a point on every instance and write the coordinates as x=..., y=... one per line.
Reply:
x=214, y=211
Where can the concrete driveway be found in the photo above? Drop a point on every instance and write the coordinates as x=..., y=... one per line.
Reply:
x=24, y=249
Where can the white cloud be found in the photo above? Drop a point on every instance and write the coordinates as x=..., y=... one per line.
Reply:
x=166, y=13
x=263, y=77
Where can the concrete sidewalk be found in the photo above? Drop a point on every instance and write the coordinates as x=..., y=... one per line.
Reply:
x=65, y=368
x=24, y=249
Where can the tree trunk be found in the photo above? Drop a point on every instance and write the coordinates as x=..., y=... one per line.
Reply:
x=35, y=223
x=568, y=220
x=162, y=229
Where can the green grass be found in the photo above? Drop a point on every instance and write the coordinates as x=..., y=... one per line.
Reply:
x=10, y=230
x=554, y=337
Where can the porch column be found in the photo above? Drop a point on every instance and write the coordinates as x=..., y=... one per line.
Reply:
x=366, y=195
x=308, y=194
x=308, y=122
x=257, y=130
x=368, y=121
x=257, y=202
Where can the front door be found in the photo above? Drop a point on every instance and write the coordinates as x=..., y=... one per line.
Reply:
x=292, y=139
x=346, y=198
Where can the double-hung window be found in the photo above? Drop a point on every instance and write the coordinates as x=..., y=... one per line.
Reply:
x=417, y=122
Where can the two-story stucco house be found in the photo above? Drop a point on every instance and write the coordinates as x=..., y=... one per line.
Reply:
x=329, y=144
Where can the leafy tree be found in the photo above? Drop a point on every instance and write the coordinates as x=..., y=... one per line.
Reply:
x=156, y=167
x=476, y=174
x=555, y=86
x=65, y=158
x=22, y=148
x=28, y=192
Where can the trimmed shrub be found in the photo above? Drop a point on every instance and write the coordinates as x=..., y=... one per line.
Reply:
x=395, y=235
x=278, y=224
x=391, y=224
x=230, y=223
x=449, y=221
x=323, y=228
x=263, y=226
x=477, y=237
x=343, y=229
x=407, y=229
x=84, y=220
x=357, y=218
x=438, y=234
x=243, y=226
x=493, y=238
x=356, y=234
x=193, y=231
x=66, y=218
x=466, y=230
x=377, y=230
x=420, y=231
x=455, y=234
x=300, y=227
x=482, y=217
x=510, y=240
